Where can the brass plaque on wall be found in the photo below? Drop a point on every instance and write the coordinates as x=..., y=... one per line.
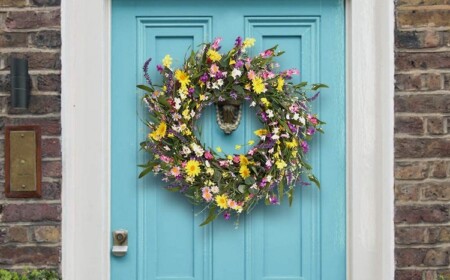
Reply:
x=23, y=161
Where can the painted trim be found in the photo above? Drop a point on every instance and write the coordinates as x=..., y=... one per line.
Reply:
x=86, y=139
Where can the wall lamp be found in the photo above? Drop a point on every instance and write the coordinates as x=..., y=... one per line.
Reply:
x=20, y=83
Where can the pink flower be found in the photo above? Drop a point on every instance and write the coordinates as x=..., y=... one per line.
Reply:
x=208, y=155
x=312, y=119
x=236, y=159
x=213, y=69
x=291, y=72
x=251, y=75
x=175, y=171
x=215, y=44
x=206, y=194
x=223, y=163
x=293, y=108
x=267, y=75
x=266, y=53
x=232, y=204
x=166, y=159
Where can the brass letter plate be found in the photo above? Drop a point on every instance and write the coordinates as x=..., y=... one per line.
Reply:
x=23, y=161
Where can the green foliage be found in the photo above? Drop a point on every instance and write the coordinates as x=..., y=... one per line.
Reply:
x=29, y=275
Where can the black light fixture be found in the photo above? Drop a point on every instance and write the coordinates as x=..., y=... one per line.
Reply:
x=20, y=83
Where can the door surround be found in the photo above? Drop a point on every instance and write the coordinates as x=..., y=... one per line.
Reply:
x=86, y=139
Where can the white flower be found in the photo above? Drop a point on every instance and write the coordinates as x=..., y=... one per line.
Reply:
x=269, y=113
x=177, y=103
x=215, y=189
x=166, y=148
x=176, y=116
x=198, y=150
x=296, y=116
x=215, y=85
x=288, y=117
x=182, y=95
x=275, y=137
x=208, y=84
x=236, y=73
x=186, y=151
x=269, y=178
x=253, y=104
x=192, y=113
x=276, y=130
x=220, y=82
x=271, y=151
x=176, y=128
x=254, y=186
x=207, y=163
x=302, y=120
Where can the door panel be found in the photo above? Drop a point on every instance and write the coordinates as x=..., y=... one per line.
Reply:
x=305, y=241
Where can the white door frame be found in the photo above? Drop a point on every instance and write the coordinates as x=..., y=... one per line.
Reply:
x=86, y=139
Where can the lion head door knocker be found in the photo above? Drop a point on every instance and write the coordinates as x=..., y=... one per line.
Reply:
x=228, y=115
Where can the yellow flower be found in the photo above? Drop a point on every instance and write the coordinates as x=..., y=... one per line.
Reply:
x=167, y=61
x=294, y=153
x=258, y=85
x=159, y=133
x=281, y=164
x=251, y=142
x=229, y=157
x=186, y=114
x=210, y=171
x=222, y=201
x=244, y=171
x=265, y=102
x=232, y=62
x=292, y=144
x=238, y=147
x=219, y=149
x=243, y=160
x=192, y=168
x=280, y=84
x=261, y=132
x=183, y=78
x=249, y=42
x=213, y=55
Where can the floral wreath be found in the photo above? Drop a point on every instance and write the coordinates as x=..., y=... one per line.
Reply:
x=229, y=184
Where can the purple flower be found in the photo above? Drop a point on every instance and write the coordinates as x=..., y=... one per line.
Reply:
x=159, y=68
x=273, y=200
x=204, y=78
x=239, y=64
x=145, y=68
x=292, y=127
x=226, y=216
x=221, y=99
x=191, y=90
x=238, y=41
x=264, y=116
x=311, y=131
x=305, y=146
x=233, y=95
x=263, y=182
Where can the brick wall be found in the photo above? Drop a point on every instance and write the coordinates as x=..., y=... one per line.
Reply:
x=422, y=139
x=30, y=228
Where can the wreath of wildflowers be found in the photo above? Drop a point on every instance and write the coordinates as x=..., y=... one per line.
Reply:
x=229, y=184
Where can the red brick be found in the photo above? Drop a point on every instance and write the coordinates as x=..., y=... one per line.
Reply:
x=422, y=147
x=406, y=257
x=409, y=125
x=423, y=103
x=51, y=169
x=422, y=214
x=411, y=170
x=411, y=235
x=435, y=126
x=423, y=18
x=40, y=104
x=439, y=235
x=31, y=212
x=40, y=60
x=33, y=19
x=421, y=2
x=436, y=192
x=47, y=234
x=420, y=61
x=51, y=190
x=13, y=3
x=49, y=125
x=408, y=275
x=51, y=147
x=46, y=39
x=409, y=192
x=50, y=82
x=436, y=257
x=439, y=169
x=42, y=3
x=8, y=40
x=18, y=234
x=29, y=255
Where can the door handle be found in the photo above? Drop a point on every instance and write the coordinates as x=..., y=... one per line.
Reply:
x=120, y=243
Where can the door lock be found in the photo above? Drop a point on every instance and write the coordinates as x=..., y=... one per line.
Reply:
x=120, y=243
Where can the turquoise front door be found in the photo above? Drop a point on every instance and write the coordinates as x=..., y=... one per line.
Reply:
x=305, y=241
